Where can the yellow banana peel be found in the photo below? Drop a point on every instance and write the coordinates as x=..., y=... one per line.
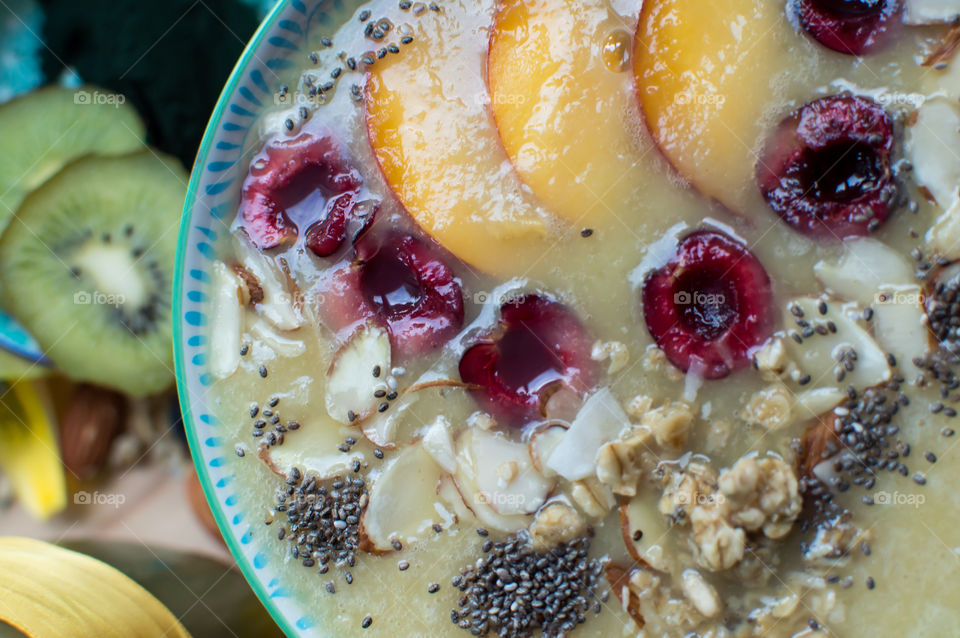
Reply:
x=50, y=592
x=29, y=451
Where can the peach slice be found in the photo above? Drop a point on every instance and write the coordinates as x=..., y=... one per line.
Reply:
x=438, y=148
x=565, y=106
x=704, y=72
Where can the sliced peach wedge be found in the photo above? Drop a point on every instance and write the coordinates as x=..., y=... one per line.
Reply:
x=563, y=99
x=432, y=134
x=704, y=71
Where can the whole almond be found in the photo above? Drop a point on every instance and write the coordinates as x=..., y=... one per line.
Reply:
x=91, y=422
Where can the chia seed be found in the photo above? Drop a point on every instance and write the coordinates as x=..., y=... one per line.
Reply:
x=403, y=565
x=367, y=621
x=515, y=592
x=433, y=588
x=263, y=368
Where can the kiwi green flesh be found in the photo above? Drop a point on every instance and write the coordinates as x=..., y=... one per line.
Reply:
x=14, y=368
x=44, y=130
x=86, y=267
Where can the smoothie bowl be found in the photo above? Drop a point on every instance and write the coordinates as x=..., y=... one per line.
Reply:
x=583, y=317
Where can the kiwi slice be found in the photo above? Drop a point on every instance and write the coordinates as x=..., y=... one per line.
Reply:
x=44, y=130
x=86, y=267
x=14, y=368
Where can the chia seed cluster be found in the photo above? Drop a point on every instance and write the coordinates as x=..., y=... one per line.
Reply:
x=322, y=519
x=268, y=426
x=514, y=591
x=866, y=444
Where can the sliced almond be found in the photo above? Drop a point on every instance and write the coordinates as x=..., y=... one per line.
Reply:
x=810, y=404
x=278, y=298
x=227, y=315
x=351, y=379
x=818, y=354
x=599, y=421
x=313, y=448
x=819, y=443
x=944, y=236
x=932, y=143
x=922, y=12
x=503, y=472
x=645, y=530
x=543, y=442
x=619, y=579
x=438, y=443
x=403, y=502
x=381, y=428
x=900, y=326
x=866, y=267
x=283, y=346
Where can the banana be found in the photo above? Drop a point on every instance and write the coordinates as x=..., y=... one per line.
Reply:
x=29, y=452
x=49, y=592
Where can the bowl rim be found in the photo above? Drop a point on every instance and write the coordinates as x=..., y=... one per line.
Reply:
x=210, y=133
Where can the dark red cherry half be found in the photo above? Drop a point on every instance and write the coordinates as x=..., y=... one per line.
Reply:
x=853, y=27
x=709, y=306
x=827, y=170
x=306, y=181
x=537, y=348
x=402, y=284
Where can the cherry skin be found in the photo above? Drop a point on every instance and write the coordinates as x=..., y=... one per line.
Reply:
x=709, y=306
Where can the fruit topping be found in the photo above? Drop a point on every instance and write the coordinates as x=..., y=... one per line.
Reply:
x=402, y=284
x=288, y=183
x=709, y=306
x=827, y=169
x=465, y=196
x=537, y=348
x=540, y=54
x=854, y=27
x=705, y=80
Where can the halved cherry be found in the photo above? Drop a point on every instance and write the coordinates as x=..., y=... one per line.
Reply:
x=827, y=169
x=854, y=27
x=537, y=348
x=404, y=285
x=709, y=306
x=289, y=183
